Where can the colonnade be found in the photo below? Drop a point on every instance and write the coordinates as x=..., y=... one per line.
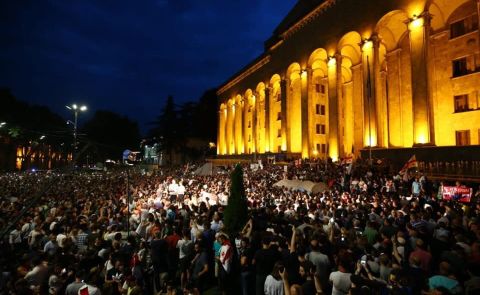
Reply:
x=371, y=91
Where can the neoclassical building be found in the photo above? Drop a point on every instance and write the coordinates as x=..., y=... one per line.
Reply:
x=337, y=76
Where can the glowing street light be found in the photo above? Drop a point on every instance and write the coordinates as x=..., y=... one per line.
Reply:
x=2, y=124
x=76, y=109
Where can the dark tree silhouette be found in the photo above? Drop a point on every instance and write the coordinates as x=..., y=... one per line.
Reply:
x=110, y=134
x=191, y=121
x=167, y=129
x=236, y=213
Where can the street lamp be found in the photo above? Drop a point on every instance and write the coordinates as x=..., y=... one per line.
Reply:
x=2, y=124
x=76, y=109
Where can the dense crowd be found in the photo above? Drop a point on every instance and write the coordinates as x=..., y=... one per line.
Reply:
x=370, y=232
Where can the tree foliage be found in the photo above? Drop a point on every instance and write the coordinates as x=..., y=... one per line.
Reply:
x=191, y=120
x=111, y=134
x=236, y=213
x=25, y=122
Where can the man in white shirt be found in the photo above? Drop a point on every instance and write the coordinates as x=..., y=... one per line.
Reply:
x=172, y=191
x=180, y=191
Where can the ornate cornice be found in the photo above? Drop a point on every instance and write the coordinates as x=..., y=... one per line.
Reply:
x=244, y=74
x=308, y=18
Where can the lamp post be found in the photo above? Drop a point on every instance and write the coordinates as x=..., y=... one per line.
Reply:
x=76, y=109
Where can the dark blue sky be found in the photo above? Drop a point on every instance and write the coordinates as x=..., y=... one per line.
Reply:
x=127, y=56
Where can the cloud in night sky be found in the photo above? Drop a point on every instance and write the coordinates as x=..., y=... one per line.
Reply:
x=127, y=56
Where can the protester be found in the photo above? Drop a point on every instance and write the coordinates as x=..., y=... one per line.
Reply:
x=369, y=229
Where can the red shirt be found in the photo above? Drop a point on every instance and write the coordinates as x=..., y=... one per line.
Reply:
x=172, y=241
x=424, y=257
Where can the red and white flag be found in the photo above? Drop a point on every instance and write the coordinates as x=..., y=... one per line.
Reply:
x=411, y=163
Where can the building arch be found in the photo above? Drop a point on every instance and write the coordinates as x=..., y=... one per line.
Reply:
x=391, y=28
x=442, y=10
x=349, y=45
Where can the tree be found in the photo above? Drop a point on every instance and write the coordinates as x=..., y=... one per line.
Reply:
x=167, y=129
x=111, y=134
x=236, y=213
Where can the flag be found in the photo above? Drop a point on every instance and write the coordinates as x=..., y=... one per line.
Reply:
x=411, y=163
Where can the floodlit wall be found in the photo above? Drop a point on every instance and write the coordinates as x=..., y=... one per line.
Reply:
x=353, y=74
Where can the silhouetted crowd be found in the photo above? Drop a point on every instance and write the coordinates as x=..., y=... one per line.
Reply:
x=370, y=231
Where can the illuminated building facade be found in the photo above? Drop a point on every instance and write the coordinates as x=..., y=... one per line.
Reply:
x=339, y=76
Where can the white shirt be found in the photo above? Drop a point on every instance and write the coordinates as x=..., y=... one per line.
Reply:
x=172, y=188
x=341, y=282
x=273, y=287
x=180, y=189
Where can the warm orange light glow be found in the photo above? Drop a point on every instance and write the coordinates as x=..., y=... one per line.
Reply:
x=332, y=61
x=370, y=140
x=422, y=139
x=18, y=162
x=416, y=22
x=315, y=153
x=367, y=45
x=334, y=157
x=303, y=73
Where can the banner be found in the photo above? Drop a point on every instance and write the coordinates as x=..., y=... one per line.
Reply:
x=457, y=193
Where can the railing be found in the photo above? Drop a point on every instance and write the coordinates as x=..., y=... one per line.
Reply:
x=464, y=169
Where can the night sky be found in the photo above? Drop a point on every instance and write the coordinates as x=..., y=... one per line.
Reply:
x=127, y=56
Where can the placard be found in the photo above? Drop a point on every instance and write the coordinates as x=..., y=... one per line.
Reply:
x=461, y=194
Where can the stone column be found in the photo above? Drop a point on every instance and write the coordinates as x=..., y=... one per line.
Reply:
x=377, y=90
x=219, y=114
x=221, y=132
x=254, y=123
x=358, y=109
x=333, y=109
x=231, y=129
x=419, y=32
x=370, y=138
x=238, y=127
x=268, y=141
x=283, y=95
x=246, y=129
x=340, y=105
x=306, y=77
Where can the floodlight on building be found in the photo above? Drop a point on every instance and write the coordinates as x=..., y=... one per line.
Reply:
x=416, y=22
x=331, y=61
x=367, y=44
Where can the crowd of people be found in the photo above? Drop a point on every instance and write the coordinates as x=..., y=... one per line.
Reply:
x=117, y=232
